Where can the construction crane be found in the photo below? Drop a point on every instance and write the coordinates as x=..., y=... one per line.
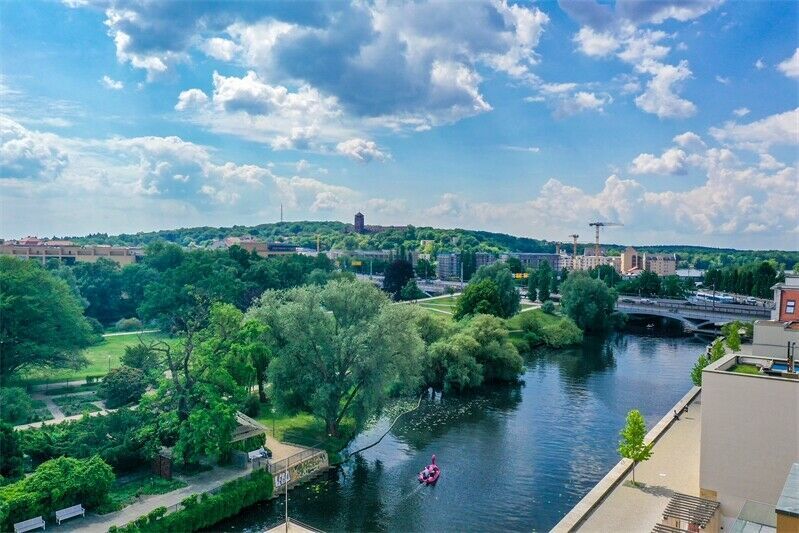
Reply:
x=598, y=225
x=574, y=237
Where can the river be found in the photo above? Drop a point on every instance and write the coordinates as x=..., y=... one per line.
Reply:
x=513, y=458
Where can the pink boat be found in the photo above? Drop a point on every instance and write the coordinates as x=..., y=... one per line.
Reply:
x=433, y=472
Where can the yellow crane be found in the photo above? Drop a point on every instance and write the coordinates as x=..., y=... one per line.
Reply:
x=598, y=225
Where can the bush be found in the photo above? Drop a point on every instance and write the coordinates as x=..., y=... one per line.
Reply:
x=56, y=484
x=203, y=511
x=128, y=324
x=10, y=453
x=115, y=438
x=548, y=307
x=252, y=406
x=123, y=385
x=16, y=407
x=696, y=371
x=563, y=333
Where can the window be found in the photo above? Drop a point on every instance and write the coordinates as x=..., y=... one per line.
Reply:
x=790, y=307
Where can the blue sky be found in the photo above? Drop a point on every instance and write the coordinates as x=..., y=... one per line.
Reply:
x=677, y=118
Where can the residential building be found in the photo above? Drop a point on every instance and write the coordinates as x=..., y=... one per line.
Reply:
x=483, y=259
x=449, y=266
x=588, y=262
x=359, y=222
x=70, y=253
x=534, y=259
x=251, y=244
x=631, y=261
x=661, y=264
x=772, y=337
x=786, y=299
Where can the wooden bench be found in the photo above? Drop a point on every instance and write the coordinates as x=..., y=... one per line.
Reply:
x=29, y=525
x=69, y=512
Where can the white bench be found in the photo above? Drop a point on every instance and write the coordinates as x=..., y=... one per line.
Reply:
x=69, y=512
x=260, y=453
x=29, y=525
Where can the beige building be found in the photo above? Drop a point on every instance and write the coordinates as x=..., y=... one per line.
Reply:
x=70, y=253
x=661, y=264
x=749, y=434
x=588, y=262
x=631, y=261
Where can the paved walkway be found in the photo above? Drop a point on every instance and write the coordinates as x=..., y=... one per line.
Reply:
x=55, y=411
x=199, y=483
x=140, y=332
x=673, y=467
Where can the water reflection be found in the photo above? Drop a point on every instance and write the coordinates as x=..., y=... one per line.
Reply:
x=515, y=457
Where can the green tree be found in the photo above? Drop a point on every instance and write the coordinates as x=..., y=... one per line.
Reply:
x=696, y=370
x=672, y=287
x=631, y=445
x=732, y=335
x=451, y=364
x=41, y=321
x=589, y=302
x=514, y=265
x=100, y=283
x=123, y=385
x=411, y=291
x=497, y=355
x=479, y=297
x=501, y=275
x=648, y=283
x=397, y=275
x=16, y=406
x=145, y=358
x=544, y=281
x=425, y=269
x=11, y=464
x=338, y=348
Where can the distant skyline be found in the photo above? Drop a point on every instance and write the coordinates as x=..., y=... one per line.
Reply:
x=679, y=119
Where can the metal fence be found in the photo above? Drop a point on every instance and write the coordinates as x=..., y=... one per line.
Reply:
x=283, y=464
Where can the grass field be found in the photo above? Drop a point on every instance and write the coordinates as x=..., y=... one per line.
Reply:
x=102, y=357
x=441, y=305
x=304, y=429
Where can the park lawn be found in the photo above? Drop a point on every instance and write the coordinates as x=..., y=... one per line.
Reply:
x=101, y=357
x=126, y=490
x=446, y=305
x=305, y=429
x=514, y=323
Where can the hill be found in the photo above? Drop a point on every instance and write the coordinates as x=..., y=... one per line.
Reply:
x=338, y=235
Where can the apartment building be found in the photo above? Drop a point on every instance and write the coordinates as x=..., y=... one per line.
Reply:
x=633, y=262
x=449, y=266
x=68, y=252
x=533, y=260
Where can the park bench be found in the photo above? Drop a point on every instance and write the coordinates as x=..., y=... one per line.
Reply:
x=29, y=525
x=69, y=512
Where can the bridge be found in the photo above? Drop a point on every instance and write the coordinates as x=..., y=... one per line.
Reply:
x=695, y=318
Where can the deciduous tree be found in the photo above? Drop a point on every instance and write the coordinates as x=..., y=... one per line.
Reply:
x=631, y=445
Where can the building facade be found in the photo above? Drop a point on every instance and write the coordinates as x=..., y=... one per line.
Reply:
x=449, y=266
x=631, y=261
x=72, y=253
x=484, y=259
x=533, y=260
x=661, y=264
x=786, y=299
x=588, y=262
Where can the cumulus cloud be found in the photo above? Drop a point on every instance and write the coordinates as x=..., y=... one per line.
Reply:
x=361, y=150
x=790, y=67
x=741, y=111
x=592, y=13
x=112, y=84
x=29, y=155
x=219, y=48
x=779, y=129
x=760, y=64
x=596, y=44
x=672, y=161
x=689, y=140
x=660, y=96
x=193, y=98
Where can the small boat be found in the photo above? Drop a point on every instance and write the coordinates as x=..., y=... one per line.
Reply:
x=433, y=473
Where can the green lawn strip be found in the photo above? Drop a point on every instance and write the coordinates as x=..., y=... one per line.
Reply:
x=76, y=404
x=306, y=430
x=127, y=490
x=744, y=368
x=101, y=357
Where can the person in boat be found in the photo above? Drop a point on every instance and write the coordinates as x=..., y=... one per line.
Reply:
x=425, y=473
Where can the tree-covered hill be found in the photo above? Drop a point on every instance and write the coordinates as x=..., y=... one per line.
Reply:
x=339, y=235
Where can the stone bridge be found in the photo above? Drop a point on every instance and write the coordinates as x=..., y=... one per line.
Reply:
x=695, y=318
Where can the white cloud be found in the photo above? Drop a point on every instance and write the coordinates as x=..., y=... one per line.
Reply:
x=193, y=98
x=741, y=111
x=109, y=83
x=529, y=149
x=768, y=162
x=660, y=96
x=672, y=161
x=596, y=44
x=722, y=80
x=28, y=155
x=779, y=129
x=759, y=64
x=584, y=101
x=361, y=150
x=790, y=67
x=689, y=140
x=221, y=49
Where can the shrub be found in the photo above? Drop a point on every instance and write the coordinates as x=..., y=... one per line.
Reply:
x=252, y=406
x=10, y=453
x=563, y=333
x=123, y=385
x=696, y=371
x=56, y=484
x=144, y=358
x=16, y=407
x=548, y=307
x=128, y=324
x=203, y=511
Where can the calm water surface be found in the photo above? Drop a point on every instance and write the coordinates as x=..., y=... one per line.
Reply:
x=513, y=458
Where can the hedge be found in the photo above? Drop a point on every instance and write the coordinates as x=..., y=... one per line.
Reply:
x=204, y=510
x=56, y=484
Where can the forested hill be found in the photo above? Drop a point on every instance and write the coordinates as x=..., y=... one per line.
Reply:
x=338, y=235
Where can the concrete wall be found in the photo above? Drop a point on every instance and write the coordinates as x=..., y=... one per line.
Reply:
x=749, y=436
x=770, y=339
